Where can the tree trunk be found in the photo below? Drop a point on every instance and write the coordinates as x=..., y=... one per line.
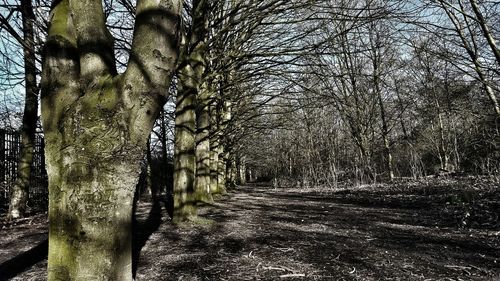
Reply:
x=184, y=148
x=165, y=178
x=225, y=115
x=231, y=172
x=19, y=192
x=443, y=147
x=385, y=132
x=214, y=150
x=242, y=171
x=203, y=148
x=96, y=125
x=214, y=164
x=221, y=169
x=90, y=212
x=149, y=185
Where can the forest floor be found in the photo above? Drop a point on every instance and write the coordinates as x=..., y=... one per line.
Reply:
x=436, y=229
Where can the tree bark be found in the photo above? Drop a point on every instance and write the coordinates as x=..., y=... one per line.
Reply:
x=96, y=125
x=19, y=192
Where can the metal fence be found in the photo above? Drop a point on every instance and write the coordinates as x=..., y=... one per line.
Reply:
x=10, y=144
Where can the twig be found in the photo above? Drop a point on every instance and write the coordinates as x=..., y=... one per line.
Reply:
x=250, y=255
x=286, y=250
x=464, y=268
x=273, y=268
x=293, y=275
x=458, y=266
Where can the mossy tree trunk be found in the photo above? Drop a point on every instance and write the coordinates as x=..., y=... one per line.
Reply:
x=96, y=126
x=19, y=192
x=190, y=110
x=199, y=57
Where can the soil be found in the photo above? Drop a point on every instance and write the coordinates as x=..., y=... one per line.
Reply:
x=436, y=229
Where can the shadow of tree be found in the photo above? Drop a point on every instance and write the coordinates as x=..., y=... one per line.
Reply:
x=142, y=230
x=262, y=234
x=21, y=262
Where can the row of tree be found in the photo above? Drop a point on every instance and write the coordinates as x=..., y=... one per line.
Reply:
x=213, y=39
x=107, y=70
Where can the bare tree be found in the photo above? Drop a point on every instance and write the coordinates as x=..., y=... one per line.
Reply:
x=465, y=28
x=19, y=192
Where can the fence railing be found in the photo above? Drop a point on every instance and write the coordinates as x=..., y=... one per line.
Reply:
x=10, y=144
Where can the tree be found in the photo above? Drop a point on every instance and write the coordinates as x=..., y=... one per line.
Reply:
x=200, y=57
x=96, y=124
x=19, y=192
x=485, y=29
x=381, y=56
x=191, y=119
x=467, y=29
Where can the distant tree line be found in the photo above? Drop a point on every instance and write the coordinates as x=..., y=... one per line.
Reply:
x=394, y=89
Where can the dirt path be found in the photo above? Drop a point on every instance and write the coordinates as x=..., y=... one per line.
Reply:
x=267, y=234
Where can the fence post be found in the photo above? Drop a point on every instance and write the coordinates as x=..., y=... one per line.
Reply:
x=2, y=155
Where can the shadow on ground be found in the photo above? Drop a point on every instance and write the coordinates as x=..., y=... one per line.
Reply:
x=267, y=234
x=258, y=233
